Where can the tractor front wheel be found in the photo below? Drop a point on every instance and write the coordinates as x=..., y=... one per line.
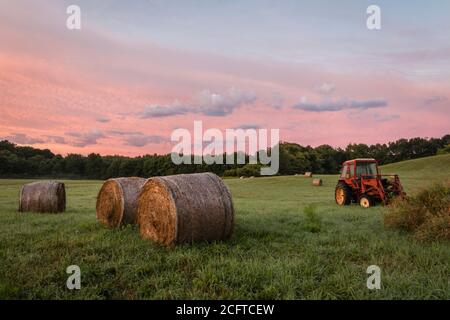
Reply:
x=365, y=201
x=343, y=194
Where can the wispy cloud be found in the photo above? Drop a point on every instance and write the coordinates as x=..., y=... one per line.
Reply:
x=206, y=102
x=385, y=117
x=326, y=88
x=276, y=101
x=433, y=99
x=158, y=111
x=215, y=104
x=138, y=139
x=102, y=119
x=122, y=133
x=22, y=138
x=328, y=106
x=82, y=139
x=56, y=139
x=248, y=126
x=372, y=116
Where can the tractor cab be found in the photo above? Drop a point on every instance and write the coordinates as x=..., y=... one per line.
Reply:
x=360, y=181
x=354, y=169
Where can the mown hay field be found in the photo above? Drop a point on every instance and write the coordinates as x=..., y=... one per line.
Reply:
x=291, y=241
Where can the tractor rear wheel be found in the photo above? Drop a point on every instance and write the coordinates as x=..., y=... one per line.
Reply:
x=343, y=194
x=365, y=201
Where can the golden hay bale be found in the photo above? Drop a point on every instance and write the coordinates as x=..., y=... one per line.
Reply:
x=117, y=201
x=43, y=196
x=308, y=174
x=185, y=208
x=317, y=182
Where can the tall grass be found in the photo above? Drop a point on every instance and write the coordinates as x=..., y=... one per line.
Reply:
x=426, y=214
x=313, y=221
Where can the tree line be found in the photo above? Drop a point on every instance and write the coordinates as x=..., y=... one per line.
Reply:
x=28, y=162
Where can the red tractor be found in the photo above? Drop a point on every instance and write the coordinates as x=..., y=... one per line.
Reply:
x=361, y=182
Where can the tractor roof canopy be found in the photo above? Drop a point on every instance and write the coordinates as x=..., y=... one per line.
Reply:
x=361, y=160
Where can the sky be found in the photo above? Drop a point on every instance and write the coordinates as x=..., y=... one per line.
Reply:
x=137, y=70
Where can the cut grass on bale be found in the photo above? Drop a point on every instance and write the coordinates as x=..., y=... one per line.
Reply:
x=43, y=196
x=271, y=255
x=117, y=201
x=185, y=208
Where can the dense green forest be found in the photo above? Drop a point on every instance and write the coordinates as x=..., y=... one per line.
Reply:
x=24, y=161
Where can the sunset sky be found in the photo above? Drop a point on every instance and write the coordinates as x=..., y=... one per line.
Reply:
x=137, y=70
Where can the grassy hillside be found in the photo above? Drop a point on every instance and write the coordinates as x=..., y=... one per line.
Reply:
x=277, y=251
x=417, y=173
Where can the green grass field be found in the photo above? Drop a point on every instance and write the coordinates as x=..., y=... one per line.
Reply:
x=277, y=251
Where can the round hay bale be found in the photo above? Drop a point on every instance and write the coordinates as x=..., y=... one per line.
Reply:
x=308, y=174
x=43, y=196
x=117, y=201
x=317, y=182
x=185, y=208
